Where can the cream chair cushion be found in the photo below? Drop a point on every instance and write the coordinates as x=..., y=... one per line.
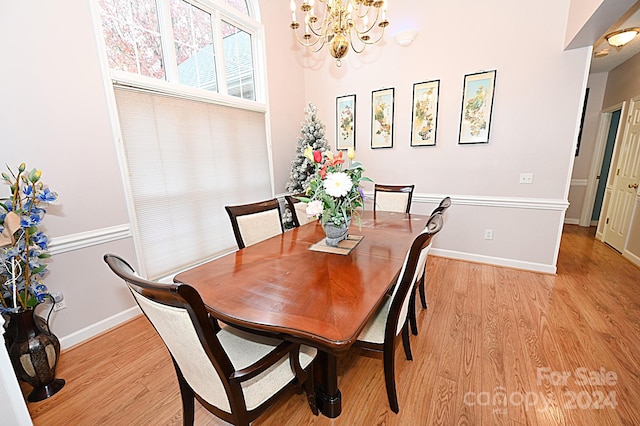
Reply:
x=392, y=201
x=260, y=226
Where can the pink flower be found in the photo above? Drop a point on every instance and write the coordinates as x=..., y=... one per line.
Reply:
x=314, y=208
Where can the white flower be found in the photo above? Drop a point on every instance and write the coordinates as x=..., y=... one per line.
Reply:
x=314, y=208
x=337, y=184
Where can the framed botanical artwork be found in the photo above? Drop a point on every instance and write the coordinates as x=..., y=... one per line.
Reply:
x=424, y=116
x=382, y=118
x=346, y=122
x=477, y=105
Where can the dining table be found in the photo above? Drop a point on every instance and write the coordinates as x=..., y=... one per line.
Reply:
x=296, y=288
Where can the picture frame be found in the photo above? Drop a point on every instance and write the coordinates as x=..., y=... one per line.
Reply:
x=477, y=107
x=346, y=122
x=382, y=118
x=424, y=113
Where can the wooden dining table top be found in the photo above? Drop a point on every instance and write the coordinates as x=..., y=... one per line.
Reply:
x=324, y=299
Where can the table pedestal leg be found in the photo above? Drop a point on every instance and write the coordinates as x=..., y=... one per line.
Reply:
x=328, y=396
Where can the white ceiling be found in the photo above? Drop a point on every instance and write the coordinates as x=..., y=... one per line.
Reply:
x=617, y=56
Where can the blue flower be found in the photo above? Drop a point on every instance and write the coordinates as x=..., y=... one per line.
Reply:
x=40, y=291
x=22, y=263
x=40, y=240
x=47, y=196
x=12, y=252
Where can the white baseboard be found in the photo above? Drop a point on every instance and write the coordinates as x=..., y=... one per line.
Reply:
x=498, y=261
x=571, y=221
x=93, y=330
x=632, y=257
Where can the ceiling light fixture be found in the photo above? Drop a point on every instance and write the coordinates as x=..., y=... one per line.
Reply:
x=343, y=23
x=621, y=37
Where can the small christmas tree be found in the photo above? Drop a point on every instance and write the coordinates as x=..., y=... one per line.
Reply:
x=302, y=169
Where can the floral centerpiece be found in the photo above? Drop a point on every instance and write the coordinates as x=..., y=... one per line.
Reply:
x=334, y=193
x=23, y=246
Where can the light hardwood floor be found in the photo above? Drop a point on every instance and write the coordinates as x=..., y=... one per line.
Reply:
x=496, y=346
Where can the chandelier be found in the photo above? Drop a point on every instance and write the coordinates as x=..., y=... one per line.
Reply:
x=343, y=23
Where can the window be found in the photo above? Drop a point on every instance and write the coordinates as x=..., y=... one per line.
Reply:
x=132, y=36
x=193, y=38
x=241, y=5
x=186, y=160
x=179, y=41
x=191, y=144
x=238, y=61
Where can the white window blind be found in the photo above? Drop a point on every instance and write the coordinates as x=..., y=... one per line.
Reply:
x=186, y=160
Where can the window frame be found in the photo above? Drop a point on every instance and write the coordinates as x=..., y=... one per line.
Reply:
x=219, y=12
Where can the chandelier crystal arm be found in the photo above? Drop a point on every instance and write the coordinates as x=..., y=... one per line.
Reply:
x=343, y=22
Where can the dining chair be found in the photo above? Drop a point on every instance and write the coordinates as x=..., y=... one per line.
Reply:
x=392, y=198
x=255, y=222
x=392, y=319
x=298, y=210
x=234, y=374
x=441, y=208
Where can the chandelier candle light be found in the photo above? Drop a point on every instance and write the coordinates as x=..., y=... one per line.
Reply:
x=344, y=23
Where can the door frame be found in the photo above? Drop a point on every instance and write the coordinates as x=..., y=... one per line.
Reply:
x=596, y=162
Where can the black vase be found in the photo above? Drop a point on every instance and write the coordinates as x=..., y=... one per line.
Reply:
x=34, y=353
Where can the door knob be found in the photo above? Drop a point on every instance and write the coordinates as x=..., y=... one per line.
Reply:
x=634, y=186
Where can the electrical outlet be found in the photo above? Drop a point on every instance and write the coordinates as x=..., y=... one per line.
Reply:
x=526, y=177
x=57, y=295
x=488, y=234
x=59, y=306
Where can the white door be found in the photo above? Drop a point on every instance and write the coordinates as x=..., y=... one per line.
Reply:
x=625, y=184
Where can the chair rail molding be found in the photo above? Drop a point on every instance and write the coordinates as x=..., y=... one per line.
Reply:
x=82, y=240
x=483, y=201
x=487, y=201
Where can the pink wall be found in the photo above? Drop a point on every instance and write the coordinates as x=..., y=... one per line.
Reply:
x=532, y=73
x=285, y=81
x=535, y=118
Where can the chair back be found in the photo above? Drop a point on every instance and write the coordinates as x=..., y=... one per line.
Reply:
x=255, y=222
x=392, y=198
x=413, y=266
x=443, y=206
x=298, y=210
x=178, y=314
